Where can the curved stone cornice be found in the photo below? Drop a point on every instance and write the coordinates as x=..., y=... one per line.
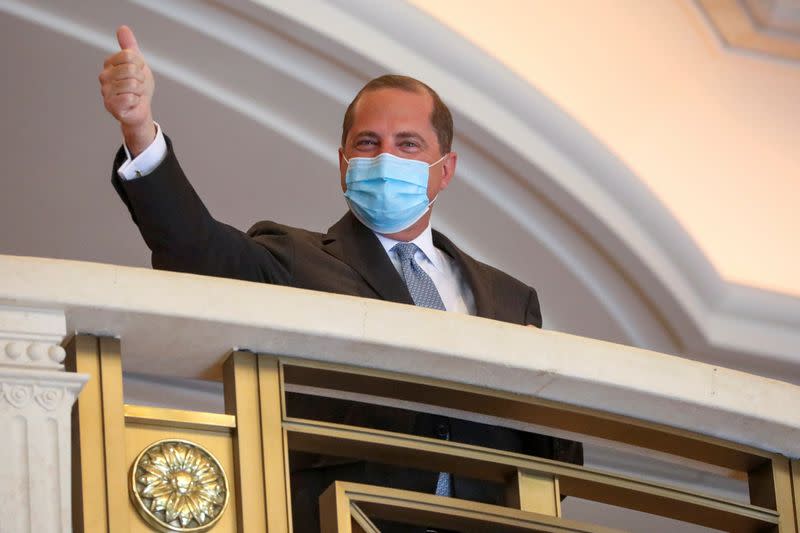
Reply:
x=552, y=182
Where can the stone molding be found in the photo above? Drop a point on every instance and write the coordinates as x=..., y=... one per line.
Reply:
x=30, y=353
x=31, y=338
x=36, y=398
x=38, y=391
x=42, y=391
x=35, y=413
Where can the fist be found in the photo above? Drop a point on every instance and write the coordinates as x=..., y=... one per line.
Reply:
x=127, y=85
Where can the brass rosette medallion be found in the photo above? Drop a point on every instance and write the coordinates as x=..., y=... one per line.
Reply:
x=177, y=485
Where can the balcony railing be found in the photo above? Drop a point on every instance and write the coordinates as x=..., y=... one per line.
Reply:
x=270, y=344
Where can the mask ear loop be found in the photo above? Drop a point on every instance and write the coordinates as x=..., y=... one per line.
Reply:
x=435, y=162
x=429, y=166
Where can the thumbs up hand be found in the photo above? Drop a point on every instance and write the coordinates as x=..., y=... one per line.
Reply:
x=127, y=85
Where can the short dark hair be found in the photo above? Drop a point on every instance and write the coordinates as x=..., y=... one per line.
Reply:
x=441, y=119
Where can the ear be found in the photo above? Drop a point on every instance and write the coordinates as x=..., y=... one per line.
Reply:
x=448, y=170
x=342, y=169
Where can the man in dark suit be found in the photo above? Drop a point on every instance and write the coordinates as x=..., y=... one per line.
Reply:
x=395, y=159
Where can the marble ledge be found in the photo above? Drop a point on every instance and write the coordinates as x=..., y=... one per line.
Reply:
x=182, y=325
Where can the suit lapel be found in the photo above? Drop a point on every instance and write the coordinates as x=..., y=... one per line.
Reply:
x=354, y=244
x=473, y=272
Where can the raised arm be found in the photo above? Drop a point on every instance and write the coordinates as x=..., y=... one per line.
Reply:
x=175, y=224
x=127, y=85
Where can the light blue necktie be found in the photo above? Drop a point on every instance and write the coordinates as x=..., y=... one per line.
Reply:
x=424, y=293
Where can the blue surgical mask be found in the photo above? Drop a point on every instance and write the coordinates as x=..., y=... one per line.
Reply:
x=387, y=193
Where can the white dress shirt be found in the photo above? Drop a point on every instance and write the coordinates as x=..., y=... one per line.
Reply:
x=453, y=288
x=147, y=161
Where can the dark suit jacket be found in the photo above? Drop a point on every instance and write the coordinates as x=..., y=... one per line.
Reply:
x=348, y=259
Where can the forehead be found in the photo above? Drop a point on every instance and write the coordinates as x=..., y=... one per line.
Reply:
x=389, y=110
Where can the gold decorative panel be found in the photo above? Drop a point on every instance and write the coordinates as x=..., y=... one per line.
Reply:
x=177, y=485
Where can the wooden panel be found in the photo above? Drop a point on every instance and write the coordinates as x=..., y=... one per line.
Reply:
x=534, y=492
x=139, y=436
x=114, y=435
x=428, y=510
x=795, y=467
x=517, y=407
x=273, y=438
x=89, y=508
x=498, y=466
x=784, y=498
x=178, y=418
x=334, y=510
x=241, y=399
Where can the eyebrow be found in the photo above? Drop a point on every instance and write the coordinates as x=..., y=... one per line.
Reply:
x=366, y=133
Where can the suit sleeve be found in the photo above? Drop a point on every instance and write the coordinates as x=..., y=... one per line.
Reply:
x=184, y=237
x=533, y=313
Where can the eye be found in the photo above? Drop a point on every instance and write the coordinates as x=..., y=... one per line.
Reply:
x=410, y=146
x=366, y=142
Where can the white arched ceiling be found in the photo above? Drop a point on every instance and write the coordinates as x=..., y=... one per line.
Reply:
x=253, y=94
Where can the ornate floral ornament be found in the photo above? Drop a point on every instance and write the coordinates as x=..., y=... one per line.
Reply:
x=177, y=485
x=17, y=395
x=49, y=398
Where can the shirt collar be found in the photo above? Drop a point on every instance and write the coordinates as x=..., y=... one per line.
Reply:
x=424, y=242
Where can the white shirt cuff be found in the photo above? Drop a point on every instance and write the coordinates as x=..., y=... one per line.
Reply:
x=147, y=161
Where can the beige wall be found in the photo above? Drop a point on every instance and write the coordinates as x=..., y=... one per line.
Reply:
x=713, y=132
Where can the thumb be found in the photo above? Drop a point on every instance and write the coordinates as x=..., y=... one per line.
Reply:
x=126, y=39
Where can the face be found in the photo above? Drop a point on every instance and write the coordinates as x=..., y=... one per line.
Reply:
x=397, y=122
